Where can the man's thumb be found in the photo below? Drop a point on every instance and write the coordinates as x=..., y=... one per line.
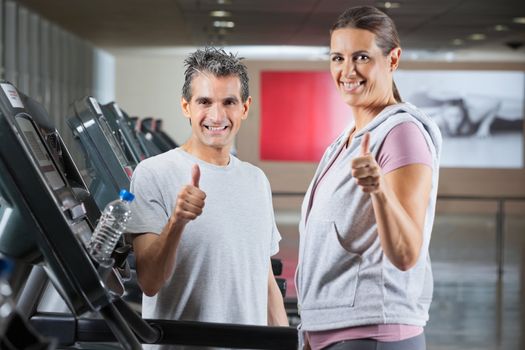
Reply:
x=195, y=175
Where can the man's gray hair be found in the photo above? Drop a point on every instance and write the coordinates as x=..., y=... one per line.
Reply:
x=217, y=62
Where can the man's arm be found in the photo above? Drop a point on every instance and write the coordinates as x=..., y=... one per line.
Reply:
x=155, y=257
x=155, y=253
x=276, y=312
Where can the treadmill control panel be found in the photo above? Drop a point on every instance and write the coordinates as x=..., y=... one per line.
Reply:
x=36, y=144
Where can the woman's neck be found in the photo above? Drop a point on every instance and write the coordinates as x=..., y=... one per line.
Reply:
x=364, y=115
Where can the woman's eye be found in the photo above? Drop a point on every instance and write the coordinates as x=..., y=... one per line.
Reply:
x=337, y=58
x=362, y=58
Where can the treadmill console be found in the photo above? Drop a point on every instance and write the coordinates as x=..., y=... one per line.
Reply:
x=37, y=197
x=124, y=132
x=33, y=141
x=102, y=162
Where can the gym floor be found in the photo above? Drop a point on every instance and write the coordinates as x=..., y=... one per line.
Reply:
x=473, y=306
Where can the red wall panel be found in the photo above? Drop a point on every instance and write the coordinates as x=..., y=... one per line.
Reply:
x=301, y=114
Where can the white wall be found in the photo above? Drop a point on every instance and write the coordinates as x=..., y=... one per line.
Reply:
x=103, y=76
x=149, y=84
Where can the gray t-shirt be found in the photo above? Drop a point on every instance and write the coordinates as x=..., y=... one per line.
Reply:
x=223, y=259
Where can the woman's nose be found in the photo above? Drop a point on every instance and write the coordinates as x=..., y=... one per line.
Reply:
x=348, y=69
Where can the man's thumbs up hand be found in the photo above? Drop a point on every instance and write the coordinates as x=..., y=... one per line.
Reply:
x=190, y=201
x=195, y=175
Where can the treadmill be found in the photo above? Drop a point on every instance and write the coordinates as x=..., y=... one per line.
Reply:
x=148, y=126
x=145, y=139
x=44, y=222
x=124, y=131
x=103, y=163
x=160, y=131
x=75, y=176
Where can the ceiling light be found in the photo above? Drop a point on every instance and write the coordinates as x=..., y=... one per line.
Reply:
x=457, y=42
x=520, y=20
x=500, y=28
x=477, y=36
x=224, y=2
x=282, y=52
x=220, y=13
x=223, y=24
x=389, y=5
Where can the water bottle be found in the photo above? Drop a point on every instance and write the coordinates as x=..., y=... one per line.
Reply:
x=7, y=305
x=110, y=227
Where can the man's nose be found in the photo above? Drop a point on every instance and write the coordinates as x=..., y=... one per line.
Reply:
x=216, y=113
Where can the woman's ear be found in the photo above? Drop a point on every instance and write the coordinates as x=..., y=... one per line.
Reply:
x=394, y=56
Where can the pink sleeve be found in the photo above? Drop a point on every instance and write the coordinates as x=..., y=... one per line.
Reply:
x=403, y=145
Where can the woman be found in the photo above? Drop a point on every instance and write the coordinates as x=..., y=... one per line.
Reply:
x=364, y=278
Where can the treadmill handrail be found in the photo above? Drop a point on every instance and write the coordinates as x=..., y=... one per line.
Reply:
x=119, y=327
x=146, y=332
x=185, y=333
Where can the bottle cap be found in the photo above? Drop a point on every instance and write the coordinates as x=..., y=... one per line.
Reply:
x=126, y=195
x=6, y=266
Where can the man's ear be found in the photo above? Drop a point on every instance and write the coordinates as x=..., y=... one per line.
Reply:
x=395, y=56
x=185, y=106
x=246, y=107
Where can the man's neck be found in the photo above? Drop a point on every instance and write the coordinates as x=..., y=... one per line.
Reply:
x=215, y=156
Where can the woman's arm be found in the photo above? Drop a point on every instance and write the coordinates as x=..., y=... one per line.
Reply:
x=400, y=206
x=400, y=199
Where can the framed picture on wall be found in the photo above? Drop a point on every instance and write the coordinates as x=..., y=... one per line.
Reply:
x=480, y=114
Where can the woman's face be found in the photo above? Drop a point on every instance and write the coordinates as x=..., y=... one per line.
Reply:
x=362, y=74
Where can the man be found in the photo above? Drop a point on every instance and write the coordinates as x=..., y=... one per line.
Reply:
x=203, y=221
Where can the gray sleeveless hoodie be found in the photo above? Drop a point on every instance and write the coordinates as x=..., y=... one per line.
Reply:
x=343, y=278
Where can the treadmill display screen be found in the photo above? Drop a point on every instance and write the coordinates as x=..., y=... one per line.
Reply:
x=40, y=154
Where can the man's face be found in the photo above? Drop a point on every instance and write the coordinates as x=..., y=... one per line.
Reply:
x=215, y=110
